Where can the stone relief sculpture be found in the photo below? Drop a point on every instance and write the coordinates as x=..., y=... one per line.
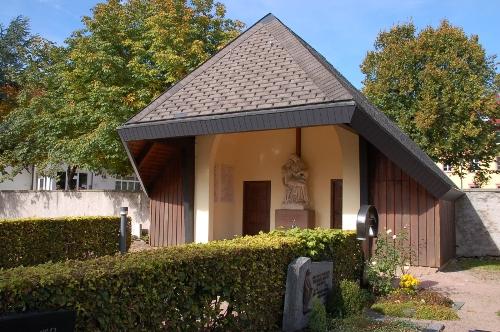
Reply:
x=307, y=292
x=295, y=175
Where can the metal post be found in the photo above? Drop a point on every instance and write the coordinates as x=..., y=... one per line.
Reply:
x=123, y=229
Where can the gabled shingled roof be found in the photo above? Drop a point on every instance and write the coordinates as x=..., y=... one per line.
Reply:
x=269, y=78
x=266, y=67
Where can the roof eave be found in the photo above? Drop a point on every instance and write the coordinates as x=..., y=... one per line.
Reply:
x=277, y=118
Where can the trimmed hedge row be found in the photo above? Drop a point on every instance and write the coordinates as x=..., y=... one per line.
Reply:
x=229, y=285
x=40, y=240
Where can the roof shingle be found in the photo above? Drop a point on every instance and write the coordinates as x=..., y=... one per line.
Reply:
x=270, y=68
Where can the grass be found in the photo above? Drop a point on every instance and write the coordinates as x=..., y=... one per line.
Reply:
x=364, y=324
x=415, y=310
x=479, y=264
x=425, y=304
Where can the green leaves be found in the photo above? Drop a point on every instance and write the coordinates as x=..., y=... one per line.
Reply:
x=36, y=241
x=179, y=288
x=439, y=86
x=127, y=53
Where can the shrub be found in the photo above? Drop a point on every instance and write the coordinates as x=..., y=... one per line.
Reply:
x=339, y=246
x=35, y=241
x=348, y=300
x=318, y=321
x=223, y=285
x=391, y=254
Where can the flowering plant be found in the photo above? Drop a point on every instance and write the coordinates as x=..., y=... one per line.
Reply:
x=392, y=254
x=409, y=282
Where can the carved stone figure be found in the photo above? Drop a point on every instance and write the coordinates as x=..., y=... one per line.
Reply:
x=295, y=175
x=307, y=292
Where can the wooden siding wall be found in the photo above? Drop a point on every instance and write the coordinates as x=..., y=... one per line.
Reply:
x=166, y=207
x=403, y=204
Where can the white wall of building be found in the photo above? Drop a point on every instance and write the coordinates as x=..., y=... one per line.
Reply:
x=33, y=204
x=22, y=181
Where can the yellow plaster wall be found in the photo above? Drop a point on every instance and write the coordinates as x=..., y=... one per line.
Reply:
x=322, y=153
x=203, y=196
x=349, y=142
x=330, y=152
x=468, y=181
x=254, y=156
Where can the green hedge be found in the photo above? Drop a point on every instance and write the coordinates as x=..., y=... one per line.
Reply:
x=177, y=288
x=39, y=240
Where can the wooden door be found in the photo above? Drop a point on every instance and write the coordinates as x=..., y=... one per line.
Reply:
x=336, y=204
x=256, y=207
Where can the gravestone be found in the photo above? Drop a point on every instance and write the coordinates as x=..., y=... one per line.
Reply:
x=305, y=280
x=54, y=321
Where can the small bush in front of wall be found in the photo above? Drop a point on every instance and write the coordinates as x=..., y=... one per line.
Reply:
x=335, y=245
x=391, y=256
x=39, y=240
x=230, y=285
x=318, y=319
x=348, y=300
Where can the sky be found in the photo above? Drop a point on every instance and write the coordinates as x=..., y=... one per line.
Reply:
x=343, y=31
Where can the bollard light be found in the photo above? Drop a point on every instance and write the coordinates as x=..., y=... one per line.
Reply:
x=123, y=229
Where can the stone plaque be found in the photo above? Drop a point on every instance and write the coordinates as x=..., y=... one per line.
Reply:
x=55, y=321
x=223, y=183
x=305, y=280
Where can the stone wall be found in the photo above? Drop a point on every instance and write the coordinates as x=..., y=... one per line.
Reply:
x=26, y=204
x=477, y=216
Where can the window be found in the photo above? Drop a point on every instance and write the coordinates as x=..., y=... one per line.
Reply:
x=498, y=163
x=44, y=183
x=79, y=181
x=61, y=181
x=447, y=168
x=127, y=183
x=41, y=183
x=82, y=181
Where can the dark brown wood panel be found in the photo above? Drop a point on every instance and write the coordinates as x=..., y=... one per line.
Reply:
x=166, y=207
x=405, y=205
x=413, y=232
x=336, y=203
x=256, y=207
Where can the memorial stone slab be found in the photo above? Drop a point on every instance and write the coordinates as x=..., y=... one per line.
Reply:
x=305, y=280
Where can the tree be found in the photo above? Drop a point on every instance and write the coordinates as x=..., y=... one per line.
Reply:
x=127, y=53
x=439, y=86
x=28, y=131
x=15, y=47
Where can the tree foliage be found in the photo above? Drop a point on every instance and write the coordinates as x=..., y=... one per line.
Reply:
x=439, y=86
x=125, y=55
x=16, y=46
x=30, y=71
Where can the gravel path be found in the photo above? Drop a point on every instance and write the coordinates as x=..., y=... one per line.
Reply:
x=480, y=290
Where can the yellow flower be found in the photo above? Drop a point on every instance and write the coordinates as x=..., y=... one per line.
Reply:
x=408, y=281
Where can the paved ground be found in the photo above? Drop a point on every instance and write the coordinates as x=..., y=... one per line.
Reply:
x=480, y=290
x=139, y=245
